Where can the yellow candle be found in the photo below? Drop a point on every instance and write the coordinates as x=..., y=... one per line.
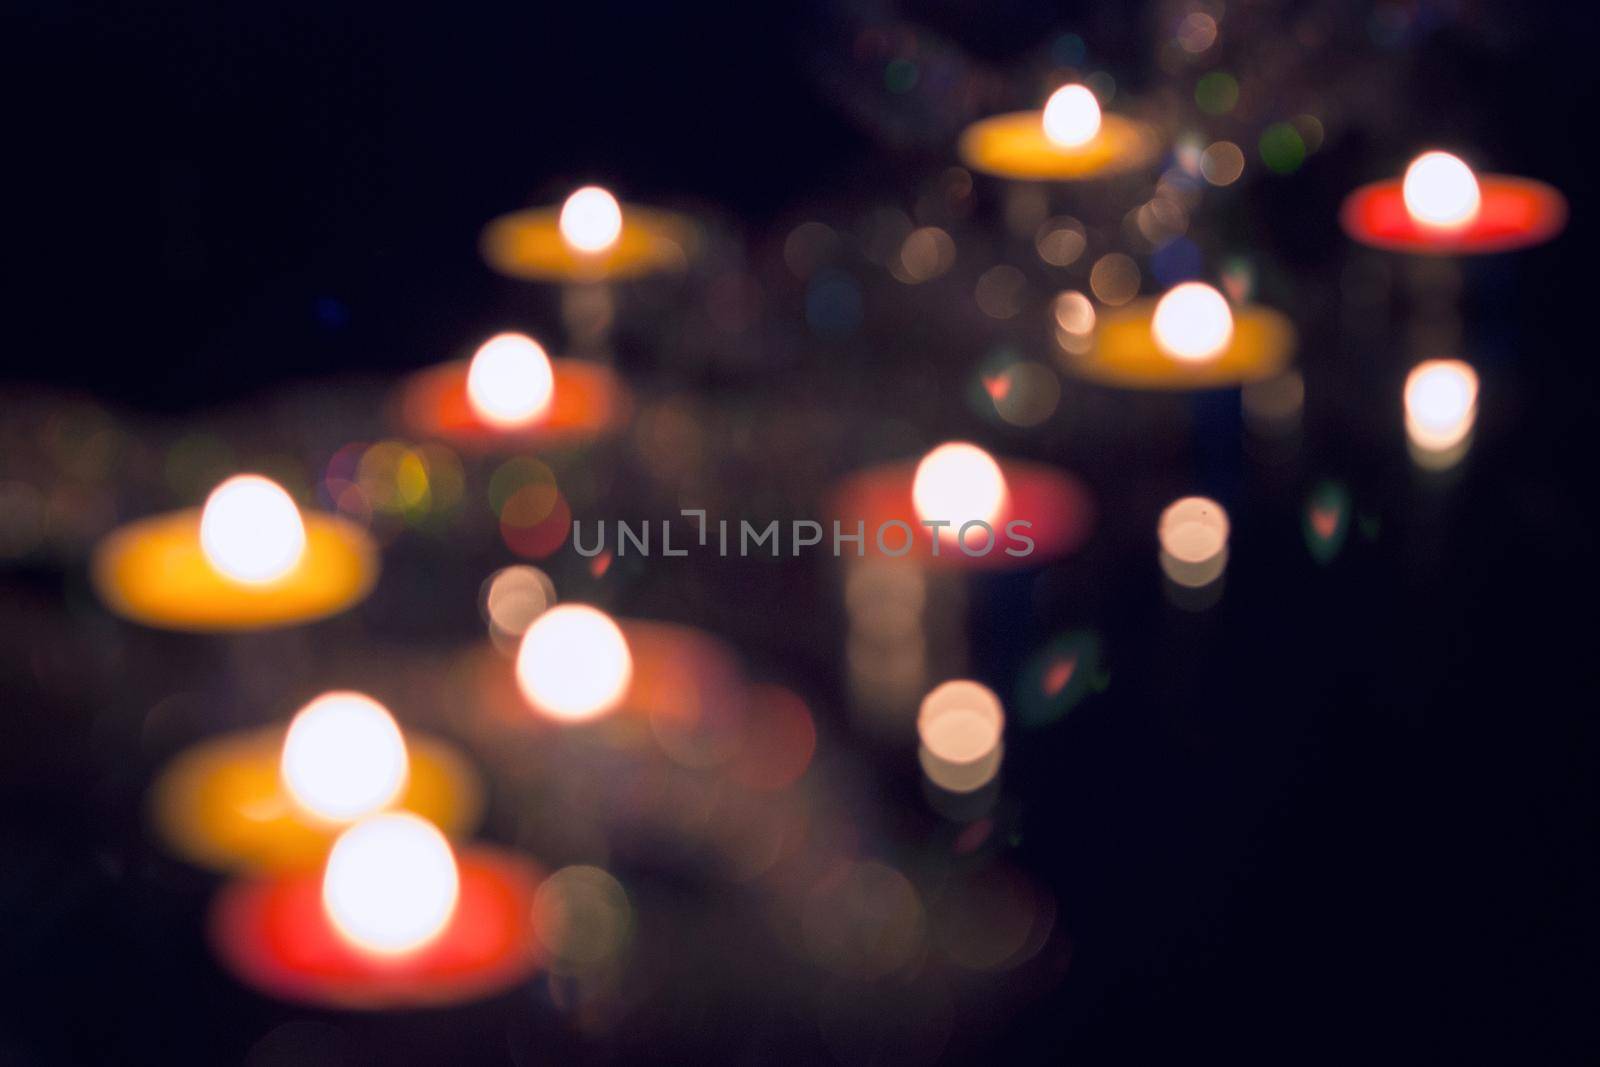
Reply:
x=249, y=560
x=1071, y=139
x=589, y=238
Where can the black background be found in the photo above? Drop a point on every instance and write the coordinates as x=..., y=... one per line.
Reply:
x=1371, y=838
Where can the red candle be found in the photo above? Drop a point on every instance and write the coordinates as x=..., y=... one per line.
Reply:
x=275, y=934
x=1442, y=208
x=1057, y=505
x=511, y=395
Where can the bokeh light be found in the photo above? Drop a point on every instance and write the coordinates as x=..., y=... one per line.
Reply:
x=1440, y=190
x=1071, y=116
x=591, y=220
x=251, y=531
x=391, y=884
x=957, y=483
x=510, y=382
x=1441, y=405
x=1193, y=533
x=959, y=727
x=574, y=663
x=1192, y=322
x=343, y=757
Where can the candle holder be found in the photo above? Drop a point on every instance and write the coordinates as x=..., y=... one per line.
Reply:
x=1190, y=339
x=248, y=560
x=1441, y=208
x=511, y=395
x=1070, y=139
x=590, y=238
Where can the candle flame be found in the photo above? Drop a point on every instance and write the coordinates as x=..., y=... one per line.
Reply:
x=391, y=884
x=510, y=382
x=251, y=531
x=574, y=663
x=1192, y=323
x=1441, y=401
x=343, y=757
x=958, y=483
x=1071, y=116
x=1441, y=191
x=591, y=220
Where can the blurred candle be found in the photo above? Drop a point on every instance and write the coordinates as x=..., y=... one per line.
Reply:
x=574, y=663
x=590, y=238
x=248, y=560
x=1441, y=407
x=1071, y=116
x=1070, y=139
x=344, y=757
x=591, y=220
x=391, y=885
x=1193, y=533
x=509, y=381
x=1440, y=207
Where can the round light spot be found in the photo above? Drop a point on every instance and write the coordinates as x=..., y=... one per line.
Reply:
x=343, y=757
x=958, y=483
x=251, y=531
x=510, y=382
x=1441, y=401
x=574, y=663
x=591, y=220
x=1192, y=322
x=391, y=884
x=1440, y=190
x=1071, y=116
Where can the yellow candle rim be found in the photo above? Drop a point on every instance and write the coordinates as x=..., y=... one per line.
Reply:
x=221, y=804
x=1014, y=145
x=528, y=245
x=153, y=571
x=1125, y=354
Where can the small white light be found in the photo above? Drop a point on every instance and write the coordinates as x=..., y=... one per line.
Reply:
x=1440, y=190
x=1192, y=323
x=1193, y=532
x=958, y=483
x=510, y=382
x=251, y=531
x=1441, y=401
x=574, y=663
x=343, y=757
x=1071, y=116
x=591, y=220
x=391, y=884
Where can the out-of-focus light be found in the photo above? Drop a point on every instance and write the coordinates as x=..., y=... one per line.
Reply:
x=1192, y=322
x=251, y=531
x=510, y=382
x=1440, y=190
x=958, y=483
x=513, y=597
x=1074, y=313
x=1071, y=116
x=1060, y=240
x=926, y=253
x=391, y=884
x=1441, y=402
x=591, y=220
x=1222, y=163
x=574, y=663
x=1193, y=533
x=1197, y=32
x=581, y=914
x=343, y=757
x=960, y=725
x=1114, y=278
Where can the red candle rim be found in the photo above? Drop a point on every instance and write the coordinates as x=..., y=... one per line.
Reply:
x=274, y=935
x=1513, y=213
x=589, y=401
x=1058, y=505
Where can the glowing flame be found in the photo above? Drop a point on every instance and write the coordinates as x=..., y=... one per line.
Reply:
x=391, y=884
x=1441, y=400
x=251, y=531
x=1441, y=191
x=591, y=220
x=509, y=382
x=1192, y=323
x=1071, y=116
x=1193, y=532
x=343, y=757
x=960, y=725
x=958, y=483
x=574, y=663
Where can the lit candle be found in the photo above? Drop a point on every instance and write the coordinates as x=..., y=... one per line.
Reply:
x=589, y=238
x=574, y=663
x=1189, y=339
x=512, y=395
x=394, y=919
x=1071, y=139
x=248, y=560
x=1441, y=207
x=274, y=799
x=1441, y=406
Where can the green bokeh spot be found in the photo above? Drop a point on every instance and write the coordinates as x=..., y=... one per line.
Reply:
x=1282, y=148
x=1216, y=93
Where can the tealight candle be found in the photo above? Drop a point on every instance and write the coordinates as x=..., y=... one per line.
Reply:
x=1071, y=139
x=1191, y=338
x=1441, y=406
x=395, y=919
x=590, y=238
x=1440, y=207
x=248, y=560
x=273, y=798
x=511, y=394
x=922, y=508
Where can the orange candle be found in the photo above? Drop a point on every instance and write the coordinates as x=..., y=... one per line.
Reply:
x=1069, y=140
x=590, y=238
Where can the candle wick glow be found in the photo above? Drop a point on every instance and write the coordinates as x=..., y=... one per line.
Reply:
x=591, y=220
x=1192, y=323
x=343, y=757
x=1071, y=116
x=510, y=382
x=1441, y=191
x=391, y=884
x=958, y=483
x=251, y=531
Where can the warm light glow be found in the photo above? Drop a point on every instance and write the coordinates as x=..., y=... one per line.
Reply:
x=959, y=726
x=958, y=483
x=391, y=883
x=343, y=757
x=1441, y=400
x=1193, y=532
x=1071, y=116
x=591, y=220
x=1192, y=323
x=251, y=531
x=510, y=382
x=1440, y=190
x=574, y=663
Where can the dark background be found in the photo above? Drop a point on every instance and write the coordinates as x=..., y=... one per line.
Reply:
x=1350, y=817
